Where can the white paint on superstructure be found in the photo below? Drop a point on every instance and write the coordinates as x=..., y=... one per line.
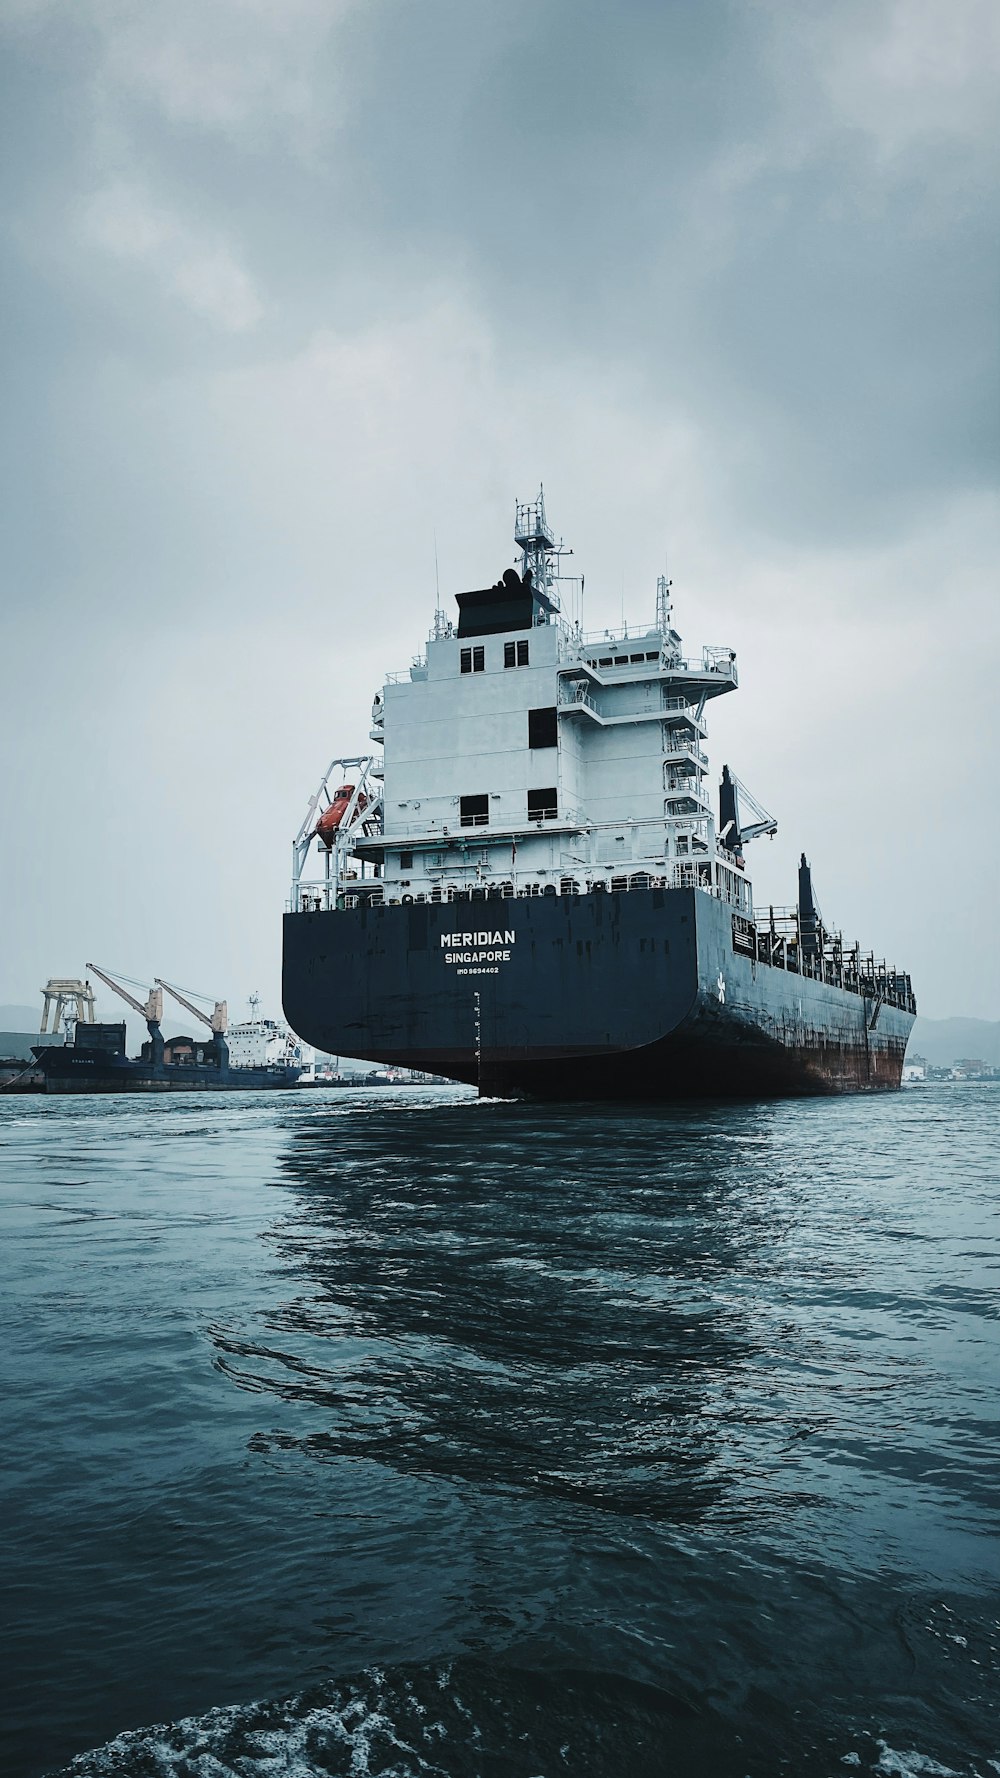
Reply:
x=262, y=1043
x=532, y=758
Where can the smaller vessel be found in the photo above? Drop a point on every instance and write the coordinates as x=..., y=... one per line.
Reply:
x=265, y=1043
x=97, y=1061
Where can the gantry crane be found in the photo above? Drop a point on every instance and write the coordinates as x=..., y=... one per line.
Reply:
x=216, y=1020
x=151, y=1010
x=61, y=994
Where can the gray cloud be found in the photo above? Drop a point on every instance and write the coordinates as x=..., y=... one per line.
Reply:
x=287, y=289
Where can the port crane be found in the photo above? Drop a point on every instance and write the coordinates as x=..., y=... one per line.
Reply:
x=217, y=1020
x=151, y=1009
x=61, y=993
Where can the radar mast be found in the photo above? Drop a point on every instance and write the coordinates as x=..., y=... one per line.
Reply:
x=536, y=541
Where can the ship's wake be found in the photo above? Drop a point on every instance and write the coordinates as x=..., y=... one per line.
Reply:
x=467, y=1719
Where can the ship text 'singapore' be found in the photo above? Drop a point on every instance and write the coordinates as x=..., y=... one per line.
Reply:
x=491, y=949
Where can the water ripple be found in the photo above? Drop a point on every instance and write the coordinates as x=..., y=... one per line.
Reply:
x=669, y=1439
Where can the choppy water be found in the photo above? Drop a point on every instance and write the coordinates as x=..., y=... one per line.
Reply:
x=396, y=1433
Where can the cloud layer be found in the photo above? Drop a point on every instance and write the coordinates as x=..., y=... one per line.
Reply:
x=290, y=291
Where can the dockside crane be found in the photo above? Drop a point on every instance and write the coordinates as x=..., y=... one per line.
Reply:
x=217, y=1020
x=151, y=1010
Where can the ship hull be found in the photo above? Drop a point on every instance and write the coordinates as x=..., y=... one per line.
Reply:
x=645, y=994
x=68, y=1071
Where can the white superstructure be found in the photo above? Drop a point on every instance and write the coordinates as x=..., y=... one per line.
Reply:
x=264, y=1043
x=520, y=755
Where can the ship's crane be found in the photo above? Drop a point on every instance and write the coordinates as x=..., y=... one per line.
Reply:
x=732, y=831
x=151, y=1010
x=217, y=1020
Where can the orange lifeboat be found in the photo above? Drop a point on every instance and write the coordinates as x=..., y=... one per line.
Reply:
x=332, y=817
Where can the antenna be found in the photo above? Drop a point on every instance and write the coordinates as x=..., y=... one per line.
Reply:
x=664, y=604
x=439, y=623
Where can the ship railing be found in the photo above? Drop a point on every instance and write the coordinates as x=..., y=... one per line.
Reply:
x=675, y=744
x=493, y=827
x=775, y=943
x=779, y=942
x=606, y=652
x=720, y=660
x=608, y=639
x=685, y=784
x=417, y=669
x=611, y=881
x=686, y=744
x=574, y=694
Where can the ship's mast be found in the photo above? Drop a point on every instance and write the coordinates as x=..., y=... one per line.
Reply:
x=536, y=541
x=664, y=605
x=441, y=625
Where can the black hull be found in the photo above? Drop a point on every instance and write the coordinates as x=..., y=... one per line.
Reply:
x=642, y=995
x=66, y=1071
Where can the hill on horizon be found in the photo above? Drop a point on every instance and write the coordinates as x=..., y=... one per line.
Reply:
x=21, y=1018
x=944, y=1040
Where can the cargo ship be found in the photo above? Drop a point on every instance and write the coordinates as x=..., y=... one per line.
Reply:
x=529, y=886
x=247, y=1057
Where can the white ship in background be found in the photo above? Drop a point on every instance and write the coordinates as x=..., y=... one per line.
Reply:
x=266, y=1043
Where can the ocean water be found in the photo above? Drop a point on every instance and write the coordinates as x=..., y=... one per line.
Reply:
x=396, y=1433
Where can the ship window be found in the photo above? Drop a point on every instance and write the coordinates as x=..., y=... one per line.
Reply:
x=621, y=660
x=542, y=727
x=636, y=657
x=652, y=657
x=406, y=861
x=605, y=661
x=466, y=659
x=474, y=811
x=509, y=657
x=543, y=805
x=478, y=659
x=515, y=654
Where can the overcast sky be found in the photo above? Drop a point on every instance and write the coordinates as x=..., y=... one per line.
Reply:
x=290, y=287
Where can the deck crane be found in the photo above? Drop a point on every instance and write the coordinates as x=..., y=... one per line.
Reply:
x=732, y=830
x=151, y=1010
x=216, y=1020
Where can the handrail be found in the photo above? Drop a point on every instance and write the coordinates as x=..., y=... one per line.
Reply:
x=777, y=950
